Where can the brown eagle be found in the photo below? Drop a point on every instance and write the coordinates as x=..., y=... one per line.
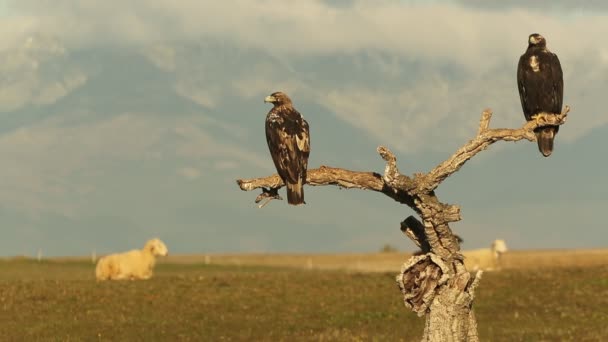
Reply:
x=289, y=144
x=541, y=88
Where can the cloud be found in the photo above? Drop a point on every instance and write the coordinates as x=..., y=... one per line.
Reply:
x=45, y=160
x=162, y=56
x=572, y=6
x=189, y=173
x=460, y=34
x=50, y=166
x=370, y=63
x=203, y=95
x=195, y=143
x=436, y=114
x=226, y=165
x=253, y=85
x=35, y=70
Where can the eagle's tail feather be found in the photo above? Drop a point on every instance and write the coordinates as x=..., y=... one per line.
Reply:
x=545, y=137
x=295, y=193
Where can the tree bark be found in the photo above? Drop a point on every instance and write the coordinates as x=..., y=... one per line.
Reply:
x=435, y=285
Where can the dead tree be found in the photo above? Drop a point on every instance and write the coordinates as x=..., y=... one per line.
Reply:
x=435, y=284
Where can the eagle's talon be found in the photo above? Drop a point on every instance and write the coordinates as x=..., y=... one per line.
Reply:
x=268, y=195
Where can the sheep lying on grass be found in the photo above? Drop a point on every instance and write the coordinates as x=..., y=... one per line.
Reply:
x=134, y=264
x=487, y=259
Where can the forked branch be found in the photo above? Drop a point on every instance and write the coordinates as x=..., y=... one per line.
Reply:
x=485, y=137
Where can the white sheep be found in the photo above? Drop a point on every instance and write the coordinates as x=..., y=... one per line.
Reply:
x=134, y=264
x=486, y=259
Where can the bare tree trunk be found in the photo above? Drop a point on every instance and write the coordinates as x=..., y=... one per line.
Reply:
x=436, y=284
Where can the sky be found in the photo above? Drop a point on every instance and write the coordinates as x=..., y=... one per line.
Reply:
x=126, y=120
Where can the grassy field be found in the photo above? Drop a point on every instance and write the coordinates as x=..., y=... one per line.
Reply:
x=391, y=262
x=60, y=301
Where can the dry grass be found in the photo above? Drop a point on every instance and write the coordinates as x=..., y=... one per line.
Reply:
x=391, y=262
x=60, y=301
x=554, y=258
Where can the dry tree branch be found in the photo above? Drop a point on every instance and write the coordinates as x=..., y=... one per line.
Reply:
x=326, y=175
x=417, y=192
x=403, y=188
x=485, y=137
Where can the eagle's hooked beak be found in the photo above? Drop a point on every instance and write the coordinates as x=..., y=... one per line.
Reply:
x=532, y=40
x=270, y=99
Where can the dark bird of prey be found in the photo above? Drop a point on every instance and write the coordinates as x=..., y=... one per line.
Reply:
x=289, y=144
x=541, y=88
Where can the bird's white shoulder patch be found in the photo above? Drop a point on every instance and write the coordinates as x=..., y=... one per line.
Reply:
x=534, y=63
x=273, y=117
x=302, y=143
